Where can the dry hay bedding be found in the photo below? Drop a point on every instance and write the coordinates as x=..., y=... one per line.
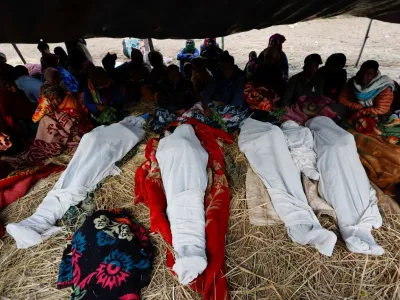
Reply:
x=261, y=262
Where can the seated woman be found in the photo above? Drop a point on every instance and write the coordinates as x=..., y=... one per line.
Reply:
x=62, y=57
x=187, y=54
x=224, y=93
x=276, y=42
x=250, y=66
x=134, y=73
x=305, y=83
x=67, y=78
x=211, y=53
x=204, y=45
x=108, y=63
x=29, y=85
x=159, y=70
x=17, y=111
x=175, y=96
x=304, y=94
x=334, y=75
x=62, y=123
x=200, y=75
x=369, y=92
x=264, y=93
x=103, y=98
x=52, y=77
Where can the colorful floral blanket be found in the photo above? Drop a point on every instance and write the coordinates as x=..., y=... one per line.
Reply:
x=149, y=190
x=227, y=117
x=109, y=257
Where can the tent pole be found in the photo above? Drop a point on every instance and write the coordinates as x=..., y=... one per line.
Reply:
x=19, y=53
x=151, y=46
x=222, y=43
x=363, y=45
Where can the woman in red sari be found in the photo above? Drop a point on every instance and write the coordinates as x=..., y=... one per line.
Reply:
x=62, y=123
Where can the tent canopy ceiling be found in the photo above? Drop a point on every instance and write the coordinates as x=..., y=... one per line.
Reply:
x=57, y=20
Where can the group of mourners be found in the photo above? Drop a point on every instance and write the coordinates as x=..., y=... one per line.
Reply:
x=183, y=179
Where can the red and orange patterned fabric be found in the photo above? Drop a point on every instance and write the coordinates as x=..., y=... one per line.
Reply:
x=260, y=98
x=60, y=130
x=149, y=190
x=380, y=159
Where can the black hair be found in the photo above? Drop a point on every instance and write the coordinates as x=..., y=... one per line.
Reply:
x=43, y=45
x=266, y=75
x=20, y=71
x=60, y=51
x=253, y=53
x=336, y=58
x=312, y=58
x=155, y=57
x=226, y=57
x=370, y=64
x=198, y=60
x=109, y=59
x=171, y=68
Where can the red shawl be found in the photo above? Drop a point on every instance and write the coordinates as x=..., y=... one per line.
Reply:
x=17, y=185
x=149, y=190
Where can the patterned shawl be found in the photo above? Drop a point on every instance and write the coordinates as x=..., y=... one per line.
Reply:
x=366, y=94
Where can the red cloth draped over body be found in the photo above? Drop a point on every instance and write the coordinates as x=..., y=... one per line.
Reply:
x=149, y=190
x=16, y=186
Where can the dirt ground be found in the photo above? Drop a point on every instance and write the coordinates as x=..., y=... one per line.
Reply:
x=324, y=36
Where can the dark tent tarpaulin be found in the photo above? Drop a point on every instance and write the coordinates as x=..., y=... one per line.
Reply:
x=60, y=20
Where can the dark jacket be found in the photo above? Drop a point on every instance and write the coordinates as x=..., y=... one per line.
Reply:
x=333, y=82
x=174, y=98
x=230, y=92
x=297, y=87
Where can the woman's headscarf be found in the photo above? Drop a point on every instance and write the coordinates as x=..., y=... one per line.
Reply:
x=213, y=41
x=52, y=76
x=277, y=40
x=50, y=99
x=190, y=46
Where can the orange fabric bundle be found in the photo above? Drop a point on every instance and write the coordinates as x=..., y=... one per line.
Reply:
x=380, y=159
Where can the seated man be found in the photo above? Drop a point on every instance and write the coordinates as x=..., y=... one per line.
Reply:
x=305, y=83
x=187, y=54
x=211, y=54
x=368, y=92
x=200, y=75
x=334, y=75
x=175, y=93
x=227, y=86
x=29, y=85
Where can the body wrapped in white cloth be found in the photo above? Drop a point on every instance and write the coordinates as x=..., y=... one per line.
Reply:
x=266, y=149
x=94, y=160
x=183, y=166
x=345, y=185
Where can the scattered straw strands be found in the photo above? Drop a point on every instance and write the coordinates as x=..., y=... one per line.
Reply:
x=261, y=262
